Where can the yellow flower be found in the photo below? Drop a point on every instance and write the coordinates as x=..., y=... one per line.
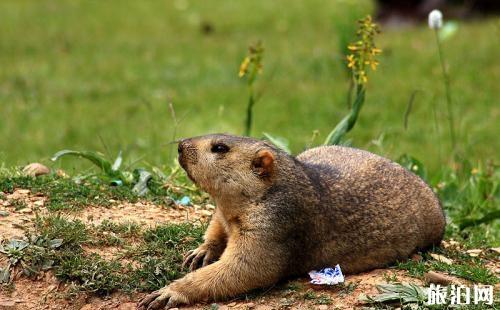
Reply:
x=363, y=51
x=252, y=63
x=244, y=67
x=351, y=61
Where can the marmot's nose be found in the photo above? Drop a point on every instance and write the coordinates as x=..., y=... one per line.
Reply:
x=182, y=146
x=185, y=147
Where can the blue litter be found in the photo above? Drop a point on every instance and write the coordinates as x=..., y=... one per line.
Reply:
x=184, y=201
x=329, y=276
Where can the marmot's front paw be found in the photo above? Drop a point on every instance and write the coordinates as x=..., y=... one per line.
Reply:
x=164, y=298
x=204, y=255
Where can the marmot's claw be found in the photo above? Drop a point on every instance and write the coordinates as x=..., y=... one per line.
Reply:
x=187, y=258
x=147, y=300
x=196, y=260
x=202, y=254
x=161, y=299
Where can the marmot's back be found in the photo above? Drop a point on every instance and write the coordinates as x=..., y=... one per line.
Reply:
x=380, y=203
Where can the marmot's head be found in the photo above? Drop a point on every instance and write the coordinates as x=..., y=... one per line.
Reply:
x=225, y=165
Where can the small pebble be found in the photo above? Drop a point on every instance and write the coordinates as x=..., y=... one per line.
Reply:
x=4, y=213
x=205, y=212
x=36, y=169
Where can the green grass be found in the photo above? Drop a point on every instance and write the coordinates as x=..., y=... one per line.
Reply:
x=152, y=262
x=68, y=194
x=108, y=69
x=65, y=193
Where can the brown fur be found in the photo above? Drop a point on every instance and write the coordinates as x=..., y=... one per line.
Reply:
x=279, y=216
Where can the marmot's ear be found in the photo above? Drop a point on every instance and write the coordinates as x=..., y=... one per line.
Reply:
x=263, y=163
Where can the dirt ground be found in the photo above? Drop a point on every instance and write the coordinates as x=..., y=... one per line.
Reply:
x=46, y=292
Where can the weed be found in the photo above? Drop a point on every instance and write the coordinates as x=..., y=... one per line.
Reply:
x=90, y=272
x=251, y=67
x=18, y=204
x=309, y=295
x=65, y=193
x=73, y=233
x=293, y=286
x=126, y=229
x=160, y=256
x=323, y=299
x=446, y=79
x=348, y=288
x=363, y=55
x=463, y=266
x=390, y=277
x=33, y=254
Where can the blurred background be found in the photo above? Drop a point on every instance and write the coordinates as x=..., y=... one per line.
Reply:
x=99, y=75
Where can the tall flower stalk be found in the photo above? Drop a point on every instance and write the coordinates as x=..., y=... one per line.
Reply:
x=250, y=67
x=362, y=57
x=435, y=23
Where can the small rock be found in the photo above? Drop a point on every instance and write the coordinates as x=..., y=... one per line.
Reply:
x=36, y=169
x=22, y=191
x=130, y=306
x=230, y=304
x=7, y=304
x=496, y=250
x=249, y=305
x=38, y=203
x=323, y=307
x=25, y=210
x=416, y=257
x=264, y=307
x=209, y=207
x=87, y=307
x=4, y=213
x=437, y=278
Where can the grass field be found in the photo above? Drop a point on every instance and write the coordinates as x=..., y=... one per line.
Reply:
x=99, y=76
x=78, y=72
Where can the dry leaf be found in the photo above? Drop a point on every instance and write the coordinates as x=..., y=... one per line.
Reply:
x=441, y=258
x=474, y=252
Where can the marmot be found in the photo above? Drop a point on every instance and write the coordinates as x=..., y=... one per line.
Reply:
x=279, y=216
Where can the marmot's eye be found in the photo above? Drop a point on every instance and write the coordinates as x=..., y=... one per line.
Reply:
x=220, y=148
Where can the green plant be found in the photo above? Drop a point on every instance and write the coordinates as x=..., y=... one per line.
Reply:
x=403, y=293
x=435, y=23
x=471, y=196
x=33, y=254
x=362, y=57
x=139, y=178
x=250, y=68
